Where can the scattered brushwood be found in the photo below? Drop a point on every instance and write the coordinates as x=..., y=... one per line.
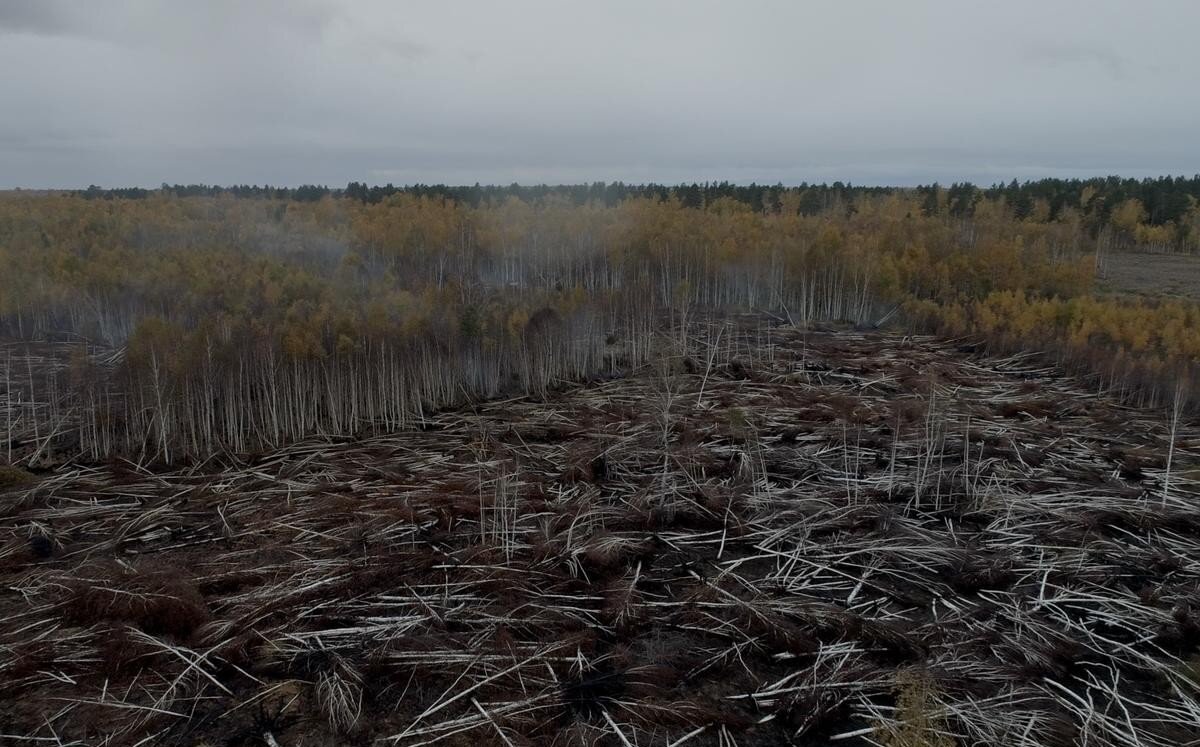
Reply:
x=847, y=538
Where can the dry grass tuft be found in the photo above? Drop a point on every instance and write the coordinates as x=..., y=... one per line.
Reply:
x=339, y=693
x=919, y=721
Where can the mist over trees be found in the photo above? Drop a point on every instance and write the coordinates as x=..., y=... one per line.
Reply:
x=201, y=318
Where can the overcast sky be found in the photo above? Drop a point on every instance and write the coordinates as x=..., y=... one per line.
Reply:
x=138, y=92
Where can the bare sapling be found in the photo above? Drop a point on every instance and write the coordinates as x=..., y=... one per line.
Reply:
x=1177, y=404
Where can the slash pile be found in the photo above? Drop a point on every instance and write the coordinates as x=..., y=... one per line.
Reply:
x=832, y=538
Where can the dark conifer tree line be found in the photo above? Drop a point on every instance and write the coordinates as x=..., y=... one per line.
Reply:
x=1165, y=199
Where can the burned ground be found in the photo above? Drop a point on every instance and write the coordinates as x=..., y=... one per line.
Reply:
x=837, y=538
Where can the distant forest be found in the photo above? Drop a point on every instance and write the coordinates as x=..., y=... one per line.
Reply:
x=193, y=318
x=1165, y=199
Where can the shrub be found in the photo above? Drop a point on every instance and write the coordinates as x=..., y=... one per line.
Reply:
x=13, y=477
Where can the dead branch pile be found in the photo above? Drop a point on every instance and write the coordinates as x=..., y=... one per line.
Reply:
x=831, y=538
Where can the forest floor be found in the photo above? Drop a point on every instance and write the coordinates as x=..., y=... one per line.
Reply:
x=837, y=538
x=1151, y=274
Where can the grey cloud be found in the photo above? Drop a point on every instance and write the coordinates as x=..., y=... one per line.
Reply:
x=1103, y=57
x=46, y=17
x=290, y=91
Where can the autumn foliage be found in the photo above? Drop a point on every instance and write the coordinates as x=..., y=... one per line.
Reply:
x=247, y=321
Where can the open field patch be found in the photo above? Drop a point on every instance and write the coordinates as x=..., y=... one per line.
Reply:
x=1151, y=274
